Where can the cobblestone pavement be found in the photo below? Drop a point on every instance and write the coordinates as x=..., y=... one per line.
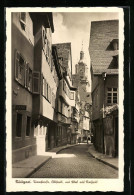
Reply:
x=75, y=162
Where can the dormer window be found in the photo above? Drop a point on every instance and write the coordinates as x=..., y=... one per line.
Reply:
x=115, y=59
x=23, y=20
x=114, y=44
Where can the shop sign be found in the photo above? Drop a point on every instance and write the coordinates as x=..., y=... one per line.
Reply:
x=20, y=107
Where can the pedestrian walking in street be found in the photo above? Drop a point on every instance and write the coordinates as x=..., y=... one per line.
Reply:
x=87, y=140
x=79, y=140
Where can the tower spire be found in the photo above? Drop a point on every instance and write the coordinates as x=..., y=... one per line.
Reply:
x=81, y=52
x=82, y=46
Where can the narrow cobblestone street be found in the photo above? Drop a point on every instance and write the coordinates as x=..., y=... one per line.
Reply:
x=75, y=162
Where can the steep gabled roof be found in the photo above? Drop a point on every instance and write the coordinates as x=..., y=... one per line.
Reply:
x=103, y=34
x=64, y=51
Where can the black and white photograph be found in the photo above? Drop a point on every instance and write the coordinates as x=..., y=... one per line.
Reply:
x=64, y=81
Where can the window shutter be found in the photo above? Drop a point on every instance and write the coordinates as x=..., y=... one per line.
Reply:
x=23, y=17
x=50, y=96
x=23, y=20
x=30, y=80
x=16, y=65
x=26, y=75
x=43, y=38
x=19, y=68
x=36, y=82
x=42, y=84
x=48, y=93
x=45, y=88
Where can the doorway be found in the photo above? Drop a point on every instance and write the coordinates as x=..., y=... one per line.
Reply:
x=116, y=137
x=40, y=134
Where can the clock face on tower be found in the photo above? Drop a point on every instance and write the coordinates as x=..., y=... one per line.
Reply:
x=81, y=71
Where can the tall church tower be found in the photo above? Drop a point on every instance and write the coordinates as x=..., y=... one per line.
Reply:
x=80, y=79
x=81, y=82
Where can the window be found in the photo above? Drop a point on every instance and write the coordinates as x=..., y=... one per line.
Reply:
x=23, y=72
x=49, y=94
x=23, y=20
x=112, y=96
x=36, y=82
x=47, y=91
x=63, y=85
x=115, y=61
x=61, y=107
x=46, y=46
x=43, y=86
x=18, y=125
x=53, y=100
x=20, y=68
x=72, y=95
x=115, y=44
x=44, y=41
x=28, y=78
x=28, y=127
x=52, y=63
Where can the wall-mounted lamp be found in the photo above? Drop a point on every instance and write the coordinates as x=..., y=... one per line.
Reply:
x=15, y=91
x=104, y=75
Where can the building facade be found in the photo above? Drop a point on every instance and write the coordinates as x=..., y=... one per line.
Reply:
x=36, y=75
x=66, y=101
x=23, y=140
x=45, y=84
x=103, y=50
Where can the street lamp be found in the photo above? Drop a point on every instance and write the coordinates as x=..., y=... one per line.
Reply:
x=104, y=75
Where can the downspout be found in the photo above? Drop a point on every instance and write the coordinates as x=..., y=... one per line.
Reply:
x=104, y=78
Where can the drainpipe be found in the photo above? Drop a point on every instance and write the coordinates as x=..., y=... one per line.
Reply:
x=104, y=78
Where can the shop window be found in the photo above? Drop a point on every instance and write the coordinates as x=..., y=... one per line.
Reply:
x=28, y=126
x=18, y=125
x=36, y=82
x=112, y=95
x=20, y=68
x=23, y=20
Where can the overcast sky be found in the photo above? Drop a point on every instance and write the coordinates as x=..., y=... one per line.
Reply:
x=75, y=28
